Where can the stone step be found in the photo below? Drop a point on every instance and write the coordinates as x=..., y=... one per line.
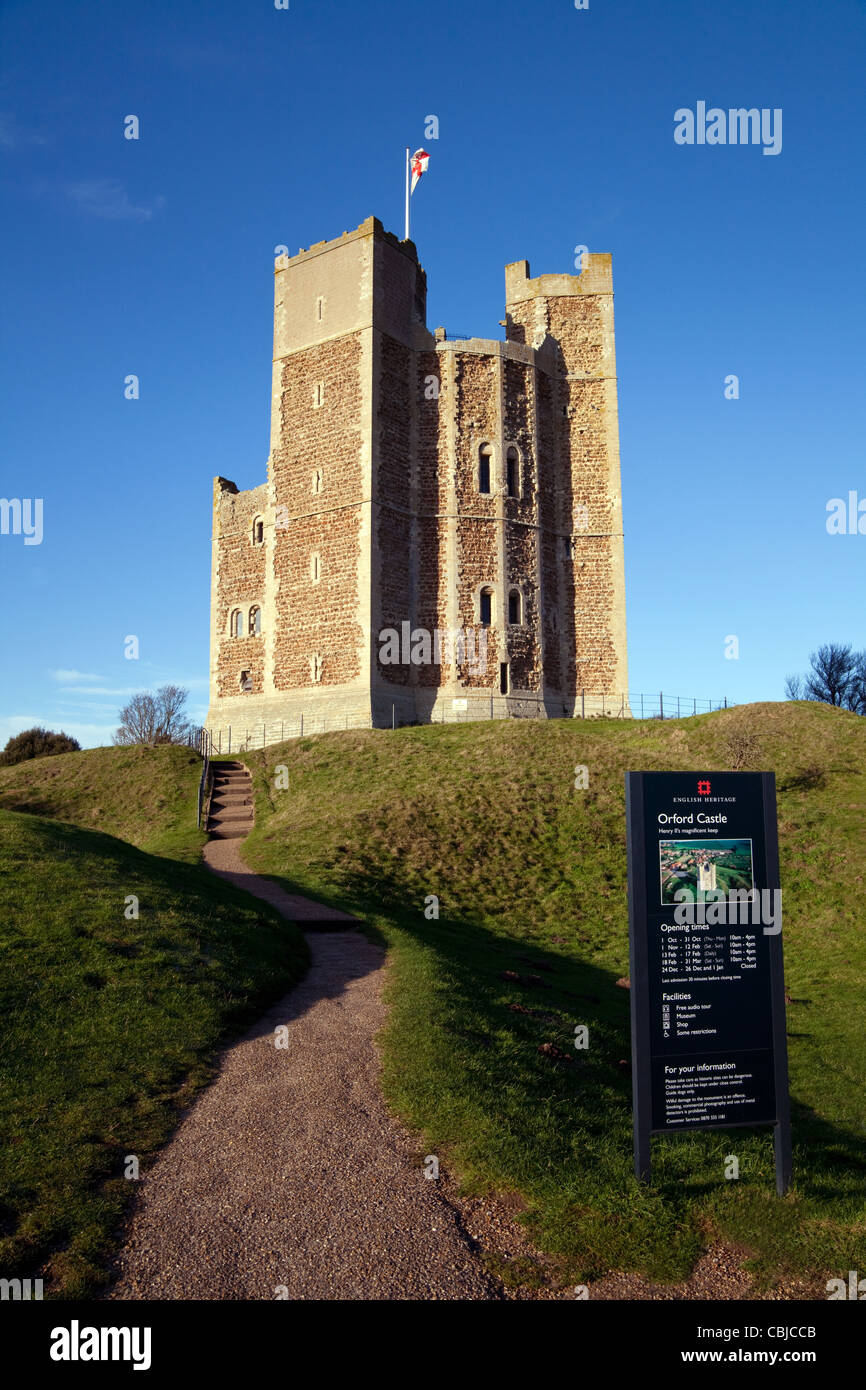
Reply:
x=230, y=815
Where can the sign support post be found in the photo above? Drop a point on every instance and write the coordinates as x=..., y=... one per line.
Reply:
x=782, y=1134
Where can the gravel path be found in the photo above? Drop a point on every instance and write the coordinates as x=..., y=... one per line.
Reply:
x=287, y=1178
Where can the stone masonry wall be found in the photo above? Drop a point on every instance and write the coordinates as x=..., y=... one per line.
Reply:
x=240, y=584
x=318, y=616
x=434, y=472
x=392, y=523
x=478, y=530
x=571, y=319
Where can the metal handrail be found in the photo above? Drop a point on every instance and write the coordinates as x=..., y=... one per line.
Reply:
x=204, y=748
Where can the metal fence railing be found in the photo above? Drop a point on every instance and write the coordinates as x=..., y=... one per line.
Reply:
x=200, y=739
x=463, y=709
x=663, y=706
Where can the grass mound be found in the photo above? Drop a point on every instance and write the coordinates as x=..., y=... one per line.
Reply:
x=110, y=1021
x=484, y=823
x=146, y=796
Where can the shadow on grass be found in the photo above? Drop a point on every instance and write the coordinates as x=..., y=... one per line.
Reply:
x=480, y=1058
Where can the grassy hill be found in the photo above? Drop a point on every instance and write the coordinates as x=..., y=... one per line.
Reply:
x=146, y=796
x=531, y=940
x=110, y=1023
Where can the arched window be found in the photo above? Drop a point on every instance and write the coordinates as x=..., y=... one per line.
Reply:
x=514, y=606
x=255, y=621
x=485, y=607
x=512, y=473
x=236, y=623
x=485, y=454
x=258, y=531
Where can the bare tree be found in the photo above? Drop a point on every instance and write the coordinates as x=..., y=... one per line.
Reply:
x=173, y=725
x=837, y=676
x=857, y=690
x=829, y=680
x=154, y=718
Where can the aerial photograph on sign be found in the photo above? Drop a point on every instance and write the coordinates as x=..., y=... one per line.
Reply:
x=704, y=865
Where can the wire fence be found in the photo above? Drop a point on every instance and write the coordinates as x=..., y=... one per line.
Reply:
x=464, y=709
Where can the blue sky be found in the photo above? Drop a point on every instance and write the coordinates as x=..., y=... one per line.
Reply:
x=260, y=127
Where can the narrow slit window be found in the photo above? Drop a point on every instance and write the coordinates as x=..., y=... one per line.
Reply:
x=512, y=473
x=503, y=678
x=485, y=612
x=514, y=606
x=255, y=621
x=258, y=531
x=484, y=468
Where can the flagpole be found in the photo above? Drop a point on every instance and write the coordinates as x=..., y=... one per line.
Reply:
x=407, y=192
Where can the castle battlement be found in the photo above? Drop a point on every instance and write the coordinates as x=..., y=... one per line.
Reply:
x=371, y=226
x=596, y=277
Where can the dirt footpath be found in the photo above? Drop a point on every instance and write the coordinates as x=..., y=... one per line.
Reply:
x=287, y=1178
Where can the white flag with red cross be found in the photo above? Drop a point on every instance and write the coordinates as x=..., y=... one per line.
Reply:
x=420, y=160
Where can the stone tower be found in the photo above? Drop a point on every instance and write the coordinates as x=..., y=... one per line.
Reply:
x=440, y=532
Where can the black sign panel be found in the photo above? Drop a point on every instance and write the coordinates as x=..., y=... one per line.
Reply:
x=707, y=987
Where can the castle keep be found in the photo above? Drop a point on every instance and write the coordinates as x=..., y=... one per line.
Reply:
x=441, y=527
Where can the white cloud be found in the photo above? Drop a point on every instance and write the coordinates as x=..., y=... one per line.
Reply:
x=109, y=200
x=124, y=690
x=66, y=677
x=14, y=136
